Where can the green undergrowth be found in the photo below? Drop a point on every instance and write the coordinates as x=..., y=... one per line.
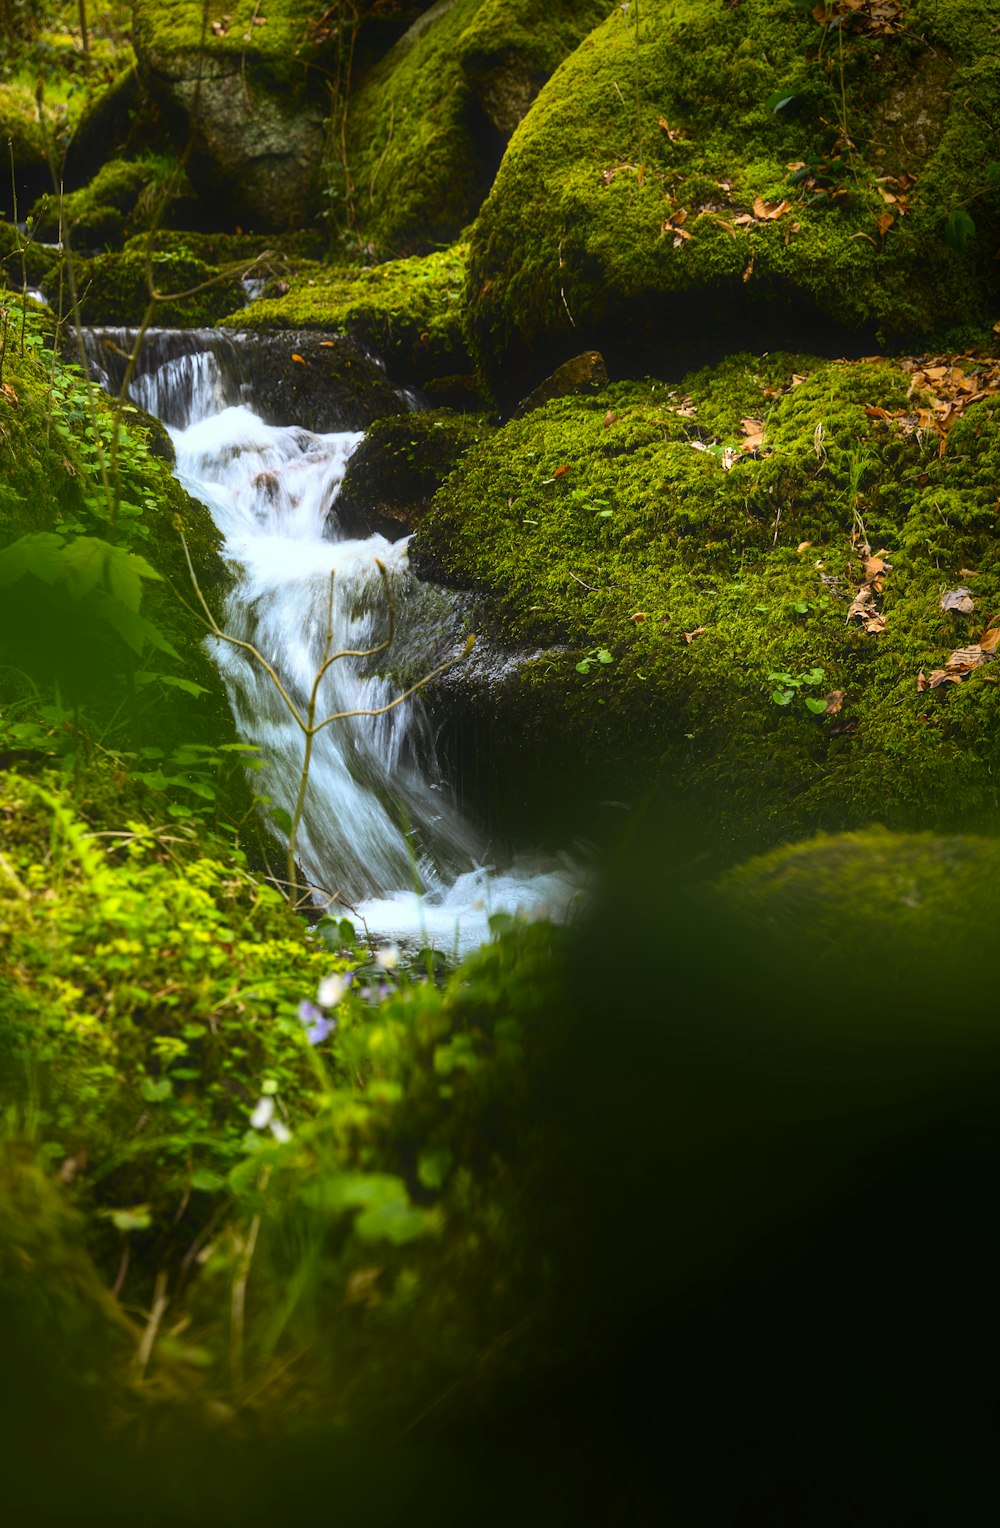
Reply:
x=115, y=201
x=695, y=620
x=294, y=1182
x=100, y=658
x=115, y=288
x=408, y=311
x=700, y=177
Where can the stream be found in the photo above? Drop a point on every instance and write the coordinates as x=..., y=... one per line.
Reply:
x=381, y=837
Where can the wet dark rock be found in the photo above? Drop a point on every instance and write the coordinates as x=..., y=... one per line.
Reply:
x=396, y=471
x=584, y=373
x=321, y=382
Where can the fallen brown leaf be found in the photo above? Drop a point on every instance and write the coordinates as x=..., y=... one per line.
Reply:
x=803, y=546
x=990, y=639
x=300, y=358
x=561, y=471
x=768, y=211
x=874, y=624
x=958, y=599
x=689, y=636
x=610, y=418
x=834, y=701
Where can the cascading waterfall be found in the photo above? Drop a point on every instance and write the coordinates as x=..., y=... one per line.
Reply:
x=379, y=833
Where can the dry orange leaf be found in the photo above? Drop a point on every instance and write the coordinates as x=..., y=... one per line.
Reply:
x=834, y=701
x=561, y=471
x=874, y=624
x=300, y=358
x=689, y=636
x=967, y=573
x=768, y=211
x=990, y=639
x=803, y=546
x=884, y=223
x=610, y=418
x=638, y=616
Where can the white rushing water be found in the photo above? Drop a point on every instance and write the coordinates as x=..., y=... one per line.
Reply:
x=380, y=835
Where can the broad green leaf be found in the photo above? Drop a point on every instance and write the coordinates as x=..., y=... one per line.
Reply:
x=958, y=230
x=434, y=1165
x=83, y=564
x=816, y=706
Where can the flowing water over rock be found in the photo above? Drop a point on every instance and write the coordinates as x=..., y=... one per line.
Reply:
x=380, y=834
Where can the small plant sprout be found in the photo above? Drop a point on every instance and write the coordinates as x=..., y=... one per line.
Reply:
x=596, y=655
x=790, y=685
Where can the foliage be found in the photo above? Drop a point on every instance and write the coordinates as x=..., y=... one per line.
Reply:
x=159, y=1002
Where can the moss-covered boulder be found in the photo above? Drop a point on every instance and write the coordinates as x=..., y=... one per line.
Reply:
x=424, y=132
x=393, y=475
x=250, y=90
x=114, y=288
x=902, y=892
x=699, y=177
x=739, y=587
x=102, y=212
x=20, y=126
x=408, y=311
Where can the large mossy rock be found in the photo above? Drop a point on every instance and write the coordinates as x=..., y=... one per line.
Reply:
x=249, y=89
x=700, y=177
x=394, y=473
x=685, y=562
x=115, y=288
x=426, y=128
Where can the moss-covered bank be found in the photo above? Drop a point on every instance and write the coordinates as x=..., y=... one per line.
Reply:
x=408, y=311
x=700, y=177
x=688, y=559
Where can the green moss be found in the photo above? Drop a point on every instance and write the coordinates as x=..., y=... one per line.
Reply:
x=99, y=213
x=114, y=289
x=574, y=246
x=642, y=538
x=408, y=311
x=873, y=890
x=275, y=48
x=425, y=130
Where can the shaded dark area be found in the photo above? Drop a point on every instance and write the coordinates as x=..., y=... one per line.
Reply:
x=767, y=1199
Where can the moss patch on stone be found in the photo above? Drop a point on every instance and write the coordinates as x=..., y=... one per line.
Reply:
x=101, y=212
x=114, y=289
x=407, y=311
x=611, y=525
x=426, y=128
x=659, y=201
x=396, y=470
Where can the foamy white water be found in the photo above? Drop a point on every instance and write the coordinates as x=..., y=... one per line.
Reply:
x=380, y=834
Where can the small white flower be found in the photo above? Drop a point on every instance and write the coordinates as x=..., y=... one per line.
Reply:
x=263, y=1114
x=330, y=990
x=280, y=1131
x=388, y=957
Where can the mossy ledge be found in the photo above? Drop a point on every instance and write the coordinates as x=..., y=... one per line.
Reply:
x=610, y=525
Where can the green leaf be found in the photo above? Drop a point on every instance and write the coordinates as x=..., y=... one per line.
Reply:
x=782, y=697
x=434, y=1165
x=817, y=707
x=136, y=1219
x=603, y=656
x=40, y=555
x=83, y=564
x=397, y=1223
x=814, y=676
x=281, y=819
x=207, y=1182
x=584, y=667
x=779, y=99
x=958, y=230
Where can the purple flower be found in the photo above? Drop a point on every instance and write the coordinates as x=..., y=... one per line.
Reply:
x=321, y=1027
